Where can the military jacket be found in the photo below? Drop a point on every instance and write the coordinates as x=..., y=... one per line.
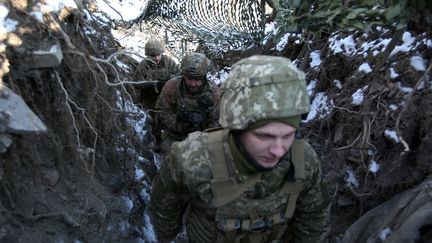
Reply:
x=184, y=179
x=149, y=71
x=181, y=112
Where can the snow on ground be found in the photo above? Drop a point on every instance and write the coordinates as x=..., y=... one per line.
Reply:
x=374, y=166
x=311, y=87
x=418, y=63
x=351, y=178
x=392, y=135
x=6, y=24
x=319, y=107
x=344, y=45
x=358, y=96
x=337, y=83
x=124, y=9
x=284, y=40
x=365, y=68
x=315, y=59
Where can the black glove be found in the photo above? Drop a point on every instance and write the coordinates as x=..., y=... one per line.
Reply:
x=205, y=102
x=195, y=119
x=182, y=116
x=192, y=120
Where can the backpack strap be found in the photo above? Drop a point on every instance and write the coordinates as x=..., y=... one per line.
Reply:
x=223, y=188
x=216, y=153
x=294, y=188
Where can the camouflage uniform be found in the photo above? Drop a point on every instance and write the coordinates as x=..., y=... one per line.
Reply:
x=150, y=71
x=203, y=173
x=182, y=112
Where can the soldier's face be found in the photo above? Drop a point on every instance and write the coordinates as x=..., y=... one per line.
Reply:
x=194, y=85
x=156, y=58
x=269, y=143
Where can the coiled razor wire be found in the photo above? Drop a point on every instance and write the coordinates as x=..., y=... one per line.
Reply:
x=237, y=22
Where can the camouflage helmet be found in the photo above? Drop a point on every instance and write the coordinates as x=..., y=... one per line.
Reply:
x=261, y=88
x=195, y=65
x=154, y=47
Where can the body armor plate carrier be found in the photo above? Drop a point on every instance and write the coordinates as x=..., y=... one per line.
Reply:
x=240, y=219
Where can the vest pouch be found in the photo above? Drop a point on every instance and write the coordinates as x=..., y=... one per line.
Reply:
x=188, y=111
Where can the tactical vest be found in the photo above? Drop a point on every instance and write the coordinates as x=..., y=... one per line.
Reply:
x=191, y=105
x=261, y=220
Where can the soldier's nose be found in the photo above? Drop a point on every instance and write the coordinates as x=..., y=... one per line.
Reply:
x=277, y=149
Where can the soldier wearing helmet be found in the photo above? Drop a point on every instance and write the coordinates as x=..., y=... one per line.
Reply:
x=158, y=69
x=188, y=103
x=253, y=180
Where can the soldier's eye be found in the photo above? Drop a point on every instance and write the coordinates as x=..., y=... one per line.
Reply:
x=264, y=136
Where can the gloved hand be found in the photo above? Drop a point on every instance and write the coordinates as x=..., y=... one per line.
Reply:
x=205, y=102
x=195, y=119
x=182, y=116
x=192, y=120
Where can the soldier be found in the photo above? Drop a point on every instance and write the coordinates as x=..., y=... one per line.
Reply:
x=157, y=69
x=188, y=103
x=255, y=180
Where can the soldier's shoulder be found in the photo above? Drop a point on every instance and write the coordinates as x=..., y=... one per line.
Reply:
x=309, y=151
x=143, y=64
x=311, y=160
x=171, y=85
x=192, y=154
x=168, y=59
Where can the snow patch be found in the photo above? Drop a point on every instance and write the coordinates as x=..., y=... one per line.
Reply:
x=318, y=108
x=365, y=68
x=283, y=41
x=129, y=9
x=358, y=96
x=6, y=24
x=392, y=135
x=128, y=203
x=406, y=46
x=148, y=229
x=393, y=107
x=345, y=45
x=418, y=63
x=404, y=89
x=311, y=87
x=220, y=76
x=374, y=166
x=351, y=179
x=315, y=59
x=338, y=83
x=139, y=173
x=393, y=73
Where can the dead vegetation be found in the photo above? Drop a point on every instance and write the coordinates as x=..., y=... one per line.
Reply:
x=77, y=180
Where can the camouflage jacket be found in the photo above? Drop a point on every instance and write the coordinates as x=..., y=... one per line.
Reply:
x=184, y=179
x=181, y=113
x=149, y=71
